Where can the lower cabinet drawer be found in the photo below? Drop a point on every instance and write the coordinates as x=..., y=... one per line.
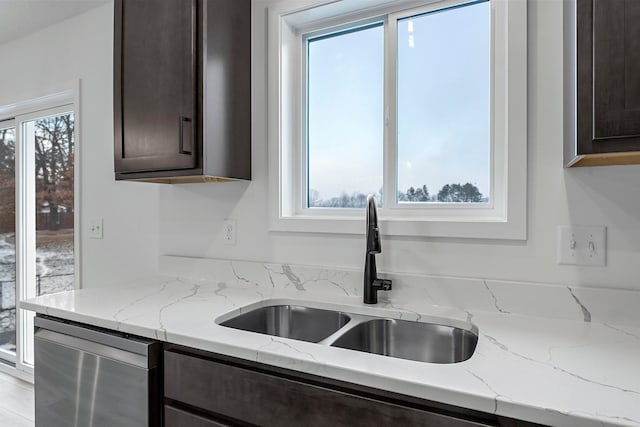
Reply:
x=265, y=399
x=174, y=417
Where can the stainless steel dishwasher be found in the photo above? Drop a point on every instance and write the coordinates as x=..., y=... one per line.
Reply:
x=87, y=377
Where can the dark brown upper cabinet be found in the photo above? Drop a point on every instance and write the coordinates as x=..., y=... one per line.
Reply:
x=607, y=73
x=182, y=90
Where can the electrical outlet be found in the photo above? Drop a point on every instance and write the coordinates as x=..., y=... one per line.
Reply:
x=582, y=245
x=95, y=228
x=229, y=231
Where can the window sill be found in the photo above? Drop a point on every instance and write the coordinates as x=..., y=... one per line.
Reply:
x=462, y=228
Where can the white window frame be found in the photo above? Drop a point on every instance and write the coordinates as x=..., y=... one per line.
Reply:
x=504, y=217
x=20, y=113
x=10, y=123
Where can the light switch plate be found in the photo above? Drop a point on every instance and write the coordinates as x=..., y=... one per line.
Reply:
x=582, y=245
x=95, y=228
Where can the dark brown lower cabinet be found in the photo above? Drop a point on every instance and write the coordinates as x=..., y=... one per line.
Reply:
x=203, y=389
x=179, y=417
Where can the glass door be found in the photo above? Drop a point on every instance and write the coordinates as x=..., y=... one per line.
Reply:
x=46, y=214
x=37, y=221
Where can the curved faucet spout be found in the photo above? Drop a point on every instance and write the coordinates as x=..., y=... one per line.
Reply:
x=373, y=233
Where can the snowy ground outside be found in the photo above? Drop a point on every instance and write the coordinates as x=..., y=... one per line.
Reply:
x=54, y=267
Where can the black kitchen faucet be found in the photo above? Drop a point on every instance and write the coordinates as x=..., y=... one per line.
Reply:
x=371, y=282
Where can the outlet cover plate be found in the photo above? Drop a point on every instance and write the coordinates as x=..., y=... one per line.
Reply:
x=229, y=232
x=95, y=228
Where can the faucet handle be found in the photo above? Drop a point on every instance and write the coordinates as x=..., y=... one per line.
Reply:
x=382, y=285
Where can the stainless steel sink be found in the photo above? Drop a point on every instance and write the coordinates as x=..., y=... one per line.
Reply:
x=423, y=342
x=290, y=321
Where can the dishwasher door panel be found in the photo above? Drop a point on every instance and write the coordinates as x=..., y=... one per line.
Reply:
x=77, y=388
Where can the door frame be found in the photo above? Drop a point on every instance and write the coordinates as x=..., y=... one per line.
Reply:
x=20, y=113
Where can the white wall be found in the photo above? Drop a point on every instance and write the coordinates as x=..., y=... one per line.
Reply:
x=145, y=220
x=191, y=216
x=49, y=61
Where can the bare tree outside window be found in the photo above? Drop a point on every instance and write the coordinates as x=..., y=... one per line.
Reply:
x=54, y=169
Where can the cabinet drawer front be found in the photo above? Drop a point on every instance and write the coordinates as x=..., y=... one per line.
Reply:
x=268, y=400
x=174, y=417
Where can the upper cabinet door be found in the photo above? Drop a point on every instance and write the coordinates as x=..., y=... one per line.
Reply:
x=608, y=49
x=155, y=85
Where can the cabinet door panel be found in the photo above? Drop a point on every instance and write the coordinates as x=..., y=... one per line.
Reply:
x=616, y=46
x=155, y=84
x=608, y=75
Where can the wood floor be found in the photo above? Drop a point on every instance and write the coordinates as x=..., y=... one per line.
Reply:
x=16, y=402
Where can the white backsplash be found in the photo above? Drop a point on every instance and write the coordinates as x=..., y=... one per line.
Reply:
x=606, y=306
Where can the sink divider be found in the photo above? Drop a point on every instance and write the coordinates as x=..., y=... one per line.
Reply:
x=355, y=320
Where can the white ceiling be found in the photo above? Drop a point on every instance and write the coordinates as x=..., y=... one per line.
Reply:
x=19, y=18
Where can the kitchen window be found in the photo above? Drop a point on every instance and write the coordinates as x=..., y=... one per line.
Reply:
x=422, y=104
x=38, y=216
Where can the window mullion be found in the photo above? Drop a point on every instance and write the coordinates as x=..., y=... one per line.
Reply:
x=301, y=156
x=390, y=112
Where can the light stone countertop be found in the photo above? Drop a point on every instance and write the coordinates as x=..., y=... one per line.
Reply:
x=546, y=370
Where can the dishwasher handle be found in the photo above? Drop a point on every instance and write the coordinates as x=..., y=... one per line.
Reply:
x=102, y=350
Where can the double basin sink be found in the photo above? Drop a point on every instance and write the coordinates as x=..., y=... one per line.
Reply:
x=423, y=342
